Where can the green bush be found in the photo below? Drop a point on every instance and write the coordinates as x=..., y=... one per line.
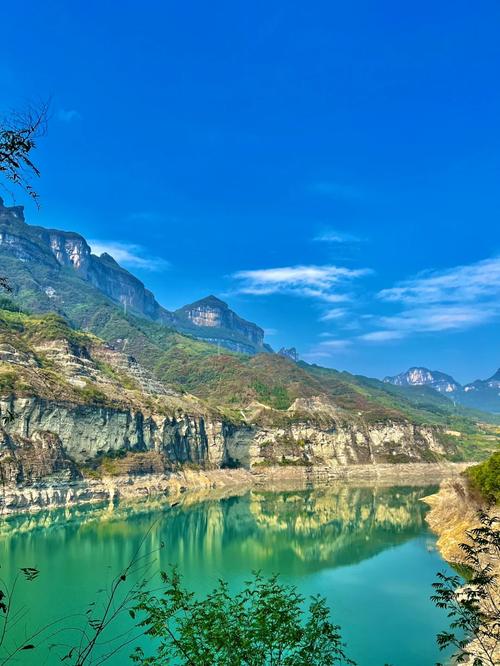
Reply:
x=485, y=478
x=265, y=624
x=7, y=304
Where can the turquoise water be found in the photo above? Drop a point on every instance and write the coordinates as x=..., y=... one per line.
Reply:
x=366, y=549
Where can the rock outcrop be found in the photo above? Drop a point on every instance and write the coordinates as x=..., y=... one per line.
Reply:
x=423, y=377
x=453, y=515
x=289, y=352
x=212, y=320
x=50, y=250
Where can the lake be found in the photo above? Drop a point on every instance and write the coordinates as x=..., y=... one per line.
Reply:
x=366, y=549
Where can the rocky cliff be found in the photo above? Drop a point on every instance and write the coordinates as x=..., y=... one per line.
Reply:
x=46, y=253
x=482, y=394
x=212, y=320
x=55, y=248
x=74, y=409
x=53, y=444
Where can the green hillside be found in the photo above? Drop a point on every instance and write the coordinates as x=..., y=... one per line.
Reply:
x=225, y=380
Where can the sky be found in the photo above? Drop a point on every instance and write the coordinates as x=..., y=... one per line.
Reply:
x=330, y=169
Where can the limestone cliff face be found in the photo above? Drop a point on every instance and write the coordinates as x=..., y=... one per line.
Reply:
x=85, y=432
x=212, y=320
x=59, y=436
x=209, y=319
x=55, y=248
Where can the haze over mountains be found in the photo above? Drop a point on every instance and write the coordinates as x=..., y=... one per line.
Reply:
x=481, y=394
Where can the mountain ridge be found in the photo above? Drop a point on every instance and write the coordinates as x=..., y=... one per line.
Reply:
x=420, y=376
x=70, y=250
x=483, y=394
x=189, y=357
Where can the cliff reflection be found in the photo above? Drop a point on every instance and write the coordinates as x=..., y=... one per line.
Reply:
x=288, y=532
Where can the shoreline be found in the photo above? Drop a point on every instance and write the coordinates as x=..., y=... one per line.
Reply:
x=39, y=497
x=453, y=513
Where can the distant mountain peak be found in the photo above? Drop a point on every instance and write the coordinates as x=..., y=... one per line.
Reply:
x=212, y=319
x=421, y=376
x=209, y=301
x=495, y=377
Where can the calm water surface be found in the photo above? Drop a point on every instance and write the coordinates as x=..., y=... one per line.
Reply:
x=366, y=549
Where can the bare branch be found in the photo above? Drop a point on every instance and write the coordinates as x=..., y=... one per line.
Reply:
x=19, y=133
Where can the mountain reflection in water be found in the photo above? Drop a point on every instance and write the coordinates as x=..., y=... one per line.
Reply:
x=366, y=549
x=297, y=531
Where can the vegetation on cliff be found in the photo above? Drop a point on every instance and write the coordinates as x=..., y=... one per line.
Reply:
x=228, y=380
x=485, y=478
x=473, y=608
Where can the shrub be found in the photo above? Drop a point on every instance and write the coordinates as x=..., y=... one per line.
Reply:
x=485, y=478
x=263, y=624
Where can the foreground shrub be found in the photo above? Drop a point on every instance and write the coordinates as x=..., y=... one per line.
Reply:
x=263, y=624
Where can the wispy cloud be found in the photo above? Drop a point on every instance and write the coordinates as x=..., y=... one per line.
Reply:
x=335, y=344
x=128, y=254
x=324, y=283
x=462, y=284
x=68, y=115
x=333, y=314
x=454, y=299
x=327, y=349
x=333, y=236
x=381, y=336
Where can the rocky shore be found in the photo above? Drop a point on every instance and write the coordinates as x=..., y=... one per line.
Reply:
x=49, y=495
x=453, y=514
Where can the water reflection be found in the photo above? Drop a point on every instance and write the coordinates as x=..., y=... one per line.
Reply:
x=309, y=536
x=296, y=531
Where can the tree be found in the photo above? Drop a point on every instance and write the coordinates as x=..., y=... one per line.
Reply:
x=473, y=607
x=264, y=624
x=18, y=136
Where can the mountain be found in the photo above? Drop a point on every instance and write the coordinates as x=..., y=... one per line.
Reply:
x=56, y=249
x=423, y=377
x=211, y=320
x=481, y=394
x=495, y=379
x=55, y=272
x=76, y=410
x=50, y=254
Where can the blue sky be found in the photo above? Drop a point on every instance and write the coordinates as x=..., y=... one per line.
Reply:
x=331, y=169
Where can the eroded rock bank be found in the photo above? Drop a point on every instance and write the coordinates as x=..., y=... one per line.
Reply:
x=172, y=485
x=56, y=453
x=320, y=435
x=454, y=513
